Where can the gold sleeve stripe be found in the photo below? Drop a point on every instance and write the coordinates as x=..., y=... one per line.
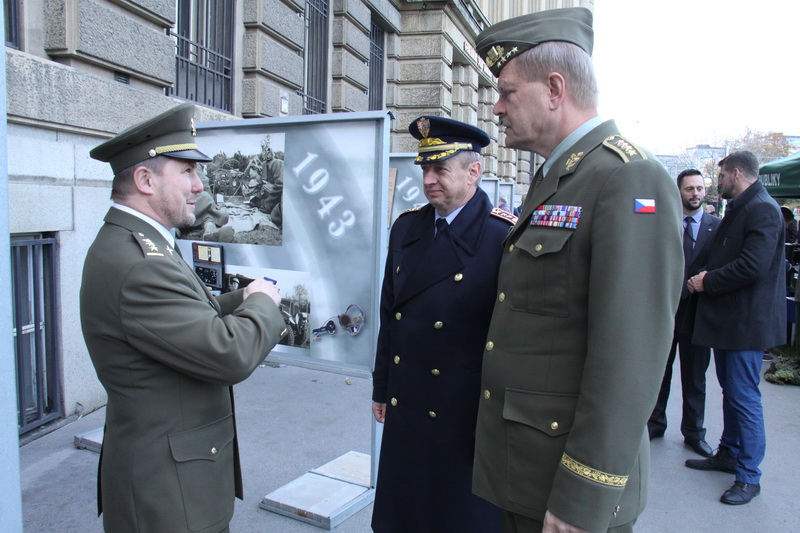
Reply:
x=591, y=474
x=175, y=148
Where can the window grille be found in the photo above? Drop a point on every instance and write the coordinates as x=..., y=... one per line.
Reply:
x=316, y=76
x=34, y=300
x=12, y=23
x=204, y=52
x=377, y=40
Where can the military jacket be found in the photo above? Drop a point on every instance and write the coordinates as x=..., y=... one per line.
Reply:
x=436, y=305
x=167, y=352
x=588, y=287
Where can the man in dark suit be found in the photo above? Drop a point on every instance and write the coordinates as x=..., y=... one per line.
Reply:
x=741, y=310
x=165, y=349
x=698, y=228
x=438, y=289
x=588, y=286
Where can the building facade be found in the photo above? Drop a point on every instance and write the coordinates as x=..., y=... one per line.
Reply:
x=78, y=71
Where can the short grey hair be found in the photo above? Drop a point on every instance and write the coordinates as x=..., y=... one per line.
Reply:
x=567, y=59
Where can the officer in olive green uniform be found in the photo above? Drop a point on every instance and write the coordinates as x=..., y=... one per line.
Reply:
x=164, y=348
x=587, y=292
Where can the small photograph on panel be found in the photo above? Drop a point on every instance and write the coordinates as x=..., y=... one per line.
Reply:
x=295, y=298
x=242, y=196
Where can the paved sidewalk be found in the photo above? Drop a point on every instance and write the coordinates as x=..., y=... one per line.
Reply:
x=293, y=419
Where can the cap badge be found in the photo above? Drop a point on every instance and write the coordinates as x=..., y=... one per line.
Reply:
x=495, y=53
x=191, y=124
x=424, y=127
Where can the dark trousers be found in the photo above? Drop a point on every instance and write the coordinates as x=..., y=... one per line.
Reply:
x=517, y=523
x=694, y=362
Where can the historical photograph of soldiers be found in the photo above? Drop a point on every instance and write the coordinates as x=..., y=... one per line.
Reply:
x=242, y=198
x=295, y=299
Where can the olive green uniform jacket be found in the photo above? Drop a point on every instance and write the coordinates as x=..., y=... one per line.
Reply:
x=579, y=337
x=167, y=352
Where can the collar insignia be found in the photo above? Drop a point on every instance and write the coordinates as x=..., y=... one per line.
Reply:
x=573, y=160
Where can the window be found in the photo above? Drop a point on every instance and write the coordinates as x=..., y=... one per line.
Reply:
x=316, y=82
x=12, y=23
x=377, y=40
x=204, y=58
x=33, y=274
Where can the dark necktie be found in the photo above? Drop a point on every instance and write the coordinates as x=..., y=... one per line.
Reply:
x=441, y=225
x=688, y=242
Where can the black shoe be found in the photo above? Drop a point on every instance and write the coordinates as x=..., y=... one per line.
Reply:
x=721, y=461
x=656, y=434
x=740, y=493
x=700, y=447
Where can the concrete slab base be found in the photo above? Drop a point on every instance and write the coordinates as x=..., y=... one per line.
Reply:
x=328, y=495
x=91, y=440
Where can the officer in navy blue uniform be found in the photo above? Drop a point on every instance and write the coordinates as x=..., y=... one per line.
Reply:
x=438, y=290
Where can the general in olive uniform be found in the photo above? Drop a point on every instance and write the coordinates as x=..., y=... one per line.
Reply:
x=164, y=348
x=587, y=291
x=436, y=305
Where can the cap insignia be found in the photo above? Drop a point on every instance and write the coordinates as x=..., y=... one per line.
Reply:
x=424, y=127
x=573, y=160
x=191, y=124
x=433, y=141
x=495, y=53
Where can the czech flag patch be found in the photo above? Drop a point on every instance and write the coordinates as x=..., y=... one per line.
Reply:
x=644, y=205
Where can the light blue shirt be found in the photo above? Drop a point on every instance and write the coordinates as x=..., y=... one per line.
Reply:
x=569, y=140
x=167, y=234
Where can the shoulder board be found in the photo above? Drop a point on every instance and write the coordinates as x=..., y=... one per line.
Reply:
x=149, y=248
x=624, y=148
x=412, y=210
x=504, y=215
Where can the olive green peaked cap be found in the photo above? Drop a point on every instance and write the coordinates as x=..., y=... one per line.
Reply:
x=171, y=133
x=501, y=42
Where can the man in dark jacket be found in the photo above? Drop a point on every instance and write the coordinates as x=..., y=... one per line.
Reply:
x=741, y=311
x=699, y=226
x=438, y=289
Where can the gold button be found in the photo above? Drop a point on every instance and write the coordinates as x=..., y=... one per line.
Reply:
x=616, y=510
x=431, y=414
x=538, y=248
x=398, y=269
x=487, y=394
x=438, y=324
x=510, y=248
x=502, y=297
x=398, y=316
x=152, y=153
x=394, y=402
x=554, y=426
x=458, y=277
x=435, y=372
x=489, y=346
x=213, y=451
x=397, y=359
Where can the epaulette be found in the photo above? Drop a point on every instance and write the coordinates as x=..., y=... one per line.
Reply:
x=149, y=248
x=624, y=148
x=412, y=210
x=504, y=215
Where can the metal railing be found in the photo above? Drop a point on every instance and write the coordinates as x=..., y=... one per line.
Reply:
x=316, y=58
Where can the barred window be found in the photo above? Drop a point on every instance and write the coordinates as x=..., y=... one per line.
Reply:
x=377, y=43
x=33, y=297
x=315, y=93
x=204, y=52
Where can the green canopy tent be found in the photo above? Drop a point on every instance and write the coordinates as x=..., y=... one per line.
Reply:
x=782, y=177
